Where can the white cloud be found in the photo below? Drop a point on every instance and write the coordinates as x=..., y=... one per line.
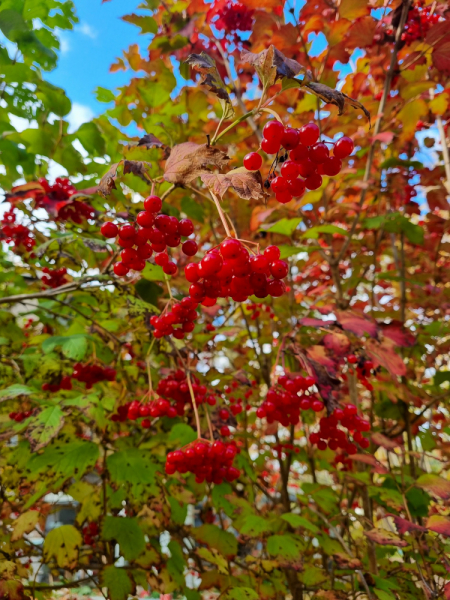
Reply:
x=87, y=30
x=64, y=44
x=79, y=114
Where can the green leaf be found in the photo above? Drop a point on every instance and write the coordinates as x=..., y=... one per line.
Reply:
x=148, y=291
x=242, y=593
x=288, y=83
x=223, y=541
x=297, y=521
x=287, y=251
x=286, y=547
x=440, y=377
x=192, y=209
x=285, y=226
x=131, y=466
x=153, y=272
x=382, y=595
x=118, y=583
x=147, y=24
x=398, y=162
x=314, y=232
x=91, y=139
x=54, y=99
x=254, y=526
x=214, y=558
x=62, y=544
x=25, y=523
x=16, y=389
x=313, y=576
x=181, y=434
x=127, y=533
x=71, y=459
x=12, y=24
x=104, y=95
x=73, y=346
x=42, y=428
x=396, y=223
x=178, y=511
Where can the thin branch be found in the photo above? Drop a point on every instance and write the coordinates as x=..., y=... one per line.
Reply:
x=62, y=289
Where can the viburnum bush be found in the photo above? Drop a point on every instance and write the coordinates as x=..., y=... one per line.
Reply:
x=225, y=342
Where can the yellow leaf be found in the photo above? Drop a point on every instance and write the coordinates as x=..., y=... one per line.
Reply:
x=409, y=115
x=62, y=544
x=353, y=9
x=439, y=104
x=25, y=523
x=415, y=89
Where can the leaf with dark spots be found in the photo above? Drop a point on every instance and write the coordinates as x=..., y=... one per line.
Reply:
x=330, y=96
x=357, y=323
x=206, y=66
x=247, y=184
x=136, y=167
x=383, y=537
x=271, y=64
x=188, y=161
x=396, y=332
x=404, y=526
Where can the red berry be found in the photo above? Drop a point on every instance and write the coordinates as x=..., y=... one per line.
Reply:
x=296, y=187
x=259, y=263
x=145, y=251
x=317, y=405
x=276, y=288
x=128, y=255
x=283, y=197
x=350, y=409
x=153, y=204
x=170, y=268
x=299, y=153
x=273, y=130
x=279, y=269
x=270, y=146
x=252, y=161
x=332, y=166
x=279, y=184
x=225, y=431
x=309, y=134
x=197, y=291
x=120, y=269
x=290, y=138
x=343, y=147
x=191, y=272
x=272, y=253
x=352, y=359
x=289, y=170
x=185, y=227
x=109, y=230
x=224, y=414
x=306, y=167
x=127, y=232
x=313, y=182
x=162, y=259
x=189, y=247
x=230, y=248
x=319, y=153
x=211, y=263
x=145, y=219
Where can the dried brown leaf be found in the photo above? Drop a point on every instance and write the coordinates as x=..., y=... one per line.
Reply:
x=107, y=182
x=272, y=64
x=330, y=96
x=137, y=167
x=246, y=184
x=206, y=66
x=344, y=561
x=188, y=161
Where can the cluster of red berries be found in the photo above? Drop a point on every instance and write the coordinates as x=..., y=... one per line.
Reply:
x=363, y=369
x=56, y=198
x=420, y=19
x=175, y=387
x=160, y=230
x=64, y=383
x=257, y=309
x=329, y=435
x=230, y=16
x=17, y=234
x=344, y=460
x=286, y=448
x=90, y=531
x=20, y=416
x=309, y=158
x=230, y=271
x=131, y=411
x=211, y=462
x=182, y=313
x=92, y=374
x=283, y=402
x=54, y=277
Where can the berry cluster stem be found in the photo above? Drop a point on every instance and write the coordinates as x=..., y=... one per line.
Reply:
x=194, y=404
x=221, y=214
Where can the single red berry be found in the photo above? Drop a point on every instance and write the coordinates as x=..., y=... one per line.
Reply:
x=289, y=170
x=296, y=187
x=350, y=409
x=191, y=272
x=153, y=204
x=225, y=431
x=313, y=182
x=128, y=255
x=299, y=153
x=252, y=161
x=273, y=130
x=185, y=227
x=259, y=263
x=279, y=184
x=276, y=288
x=309, y=134
x=197, y=291
x=120, y=269
x=290, y=138
x=306, y=167
x=272, y=253
x=230, y=248
x=270, y=146
x=109, y=230
x=127, y=232
x=317, y=405
x=352, y=359
x=170, y=268
x=224, y=414
x=319, y=153
x=343, y=147
x=145, y=251
x=332, y=166
x=145, y=219
x=283, y=197
x=189, y=247
x=279, y=269
x=211, y=263
x=162, y=259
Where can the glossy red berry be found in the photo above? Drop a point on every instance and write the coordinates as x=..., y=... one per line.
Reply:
x=279, y=269
x=343, y=147
x=120, y=269
x=283, y=197
x=306, y=167
x=299, y=153
x=279, y=184
x=332, y=166
x=191, y=272
x=153, y=204
x=296, y=187
x=170, y=268
x=145, y=219
x=270, y=146
x=185, y=227
x=313, y=182
x=289, y=170
x=128, y=255
x=145, y=251
x=319, y=153
x=161, y=259
x=252, y=161
x=211, y=264
x=230, y=248
x=109, y=230
x=127, y=232
x=309, y=134
x=272, y=253
x=290, y=138
x=189, y=247
x=273, y=130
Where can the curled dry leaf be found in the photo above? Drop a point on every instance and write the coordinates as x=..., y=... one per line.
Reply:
x=344, y=561
x=206, y=66
x=151, y=141
x=271, y=64
x=330, y=96
x=188, y=161
x=246, y=184
x=385, y=538
x=137, y=167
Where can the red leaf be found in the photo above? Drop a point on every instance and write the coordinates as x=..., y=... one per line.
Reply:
x=404, y=526
x=396, y=332
x=439, y=524
x=385, y=538
x=337, y=343
x=385, y=137
x=310, y=322
x=356, y=323
x=369, y=459
x=435, y=485
x=381, y=440
x=384, y=354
